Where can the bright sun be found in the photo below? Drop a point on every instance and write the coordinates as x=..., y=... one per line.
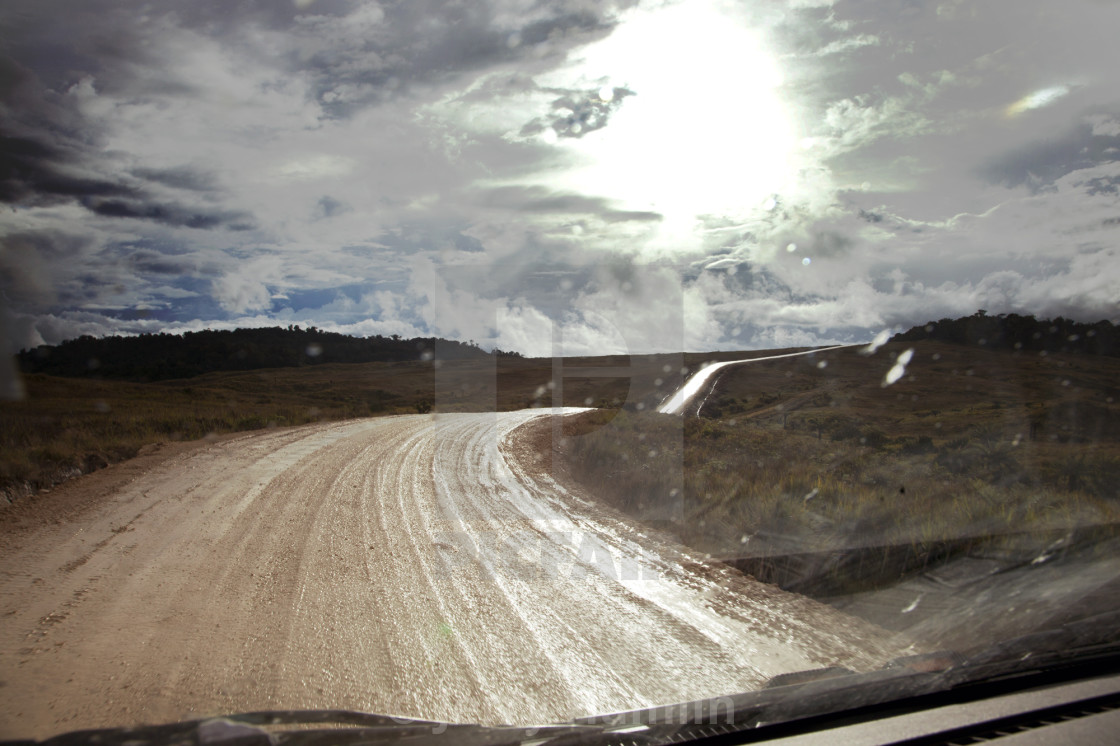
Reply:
x=706, y=132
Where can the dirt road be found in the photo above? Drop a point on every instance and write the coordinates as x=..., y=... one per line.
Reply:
x=404, y=565
x=702, y=379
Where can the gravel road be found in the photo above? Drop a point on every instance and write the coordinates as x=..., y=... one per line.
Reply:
x=412, y=565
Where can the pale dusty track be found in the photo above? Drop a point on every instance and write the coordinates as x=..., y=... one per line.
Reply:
x=404, y=565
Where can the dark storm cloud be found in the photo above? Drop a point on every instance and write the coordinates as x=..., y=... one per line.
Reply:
x=148, y=261
x=355, y=54
x=1040, y=164
x=66, y=42
x=35, y=172
x=49, y=155
x=425, y=42
x=368, y=43
x=224, y=17
x=328, y=207
x=541, y=200
x=170, y=214
x=43, y=143
x=182, y=177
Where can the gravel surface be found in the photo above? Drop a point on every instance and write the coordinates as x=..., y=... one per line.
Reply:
x=415, y=565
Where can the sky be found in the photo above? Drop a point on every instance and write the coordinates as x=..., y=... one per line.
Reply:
x=569, y=176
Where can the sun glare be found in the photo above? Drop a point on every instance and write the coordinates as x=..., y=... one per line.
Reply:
x=705, y=132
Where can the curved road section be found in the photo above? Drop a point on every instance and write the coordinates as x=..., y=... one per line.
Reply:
x=680, y=399
x=417, y=566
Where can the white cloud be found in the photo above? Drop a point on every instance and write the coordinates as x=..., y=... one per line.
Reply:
x=239, y=294
x=846, y=45
x=1104, y=126
x=172, y=292
x=313, y=167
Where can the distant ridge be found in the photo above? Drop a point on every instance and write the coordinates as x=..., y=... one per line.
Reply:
x=160, y=357
x=1015, y=332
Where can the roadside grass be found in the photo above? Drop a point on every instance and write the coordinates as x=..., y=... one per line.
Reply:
x=64, y=427
x=795, y=456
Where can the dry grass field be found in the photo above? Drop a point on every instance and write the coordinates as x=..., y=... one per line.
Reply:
x=67, y=426
x=817, y=454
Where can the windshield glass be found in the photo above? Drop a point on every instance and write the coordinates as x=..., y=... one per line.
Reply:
x=518, y=362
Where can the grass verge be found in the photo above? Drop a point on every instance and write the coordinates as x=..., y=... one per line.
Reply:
x=815, y=457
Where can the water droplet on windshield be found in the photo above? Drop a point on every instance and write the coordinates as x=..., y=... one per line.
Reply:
x=880, y=339
x=899, y=369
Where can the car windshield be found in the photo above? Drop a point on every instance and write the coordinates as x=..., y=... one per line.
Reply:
x=539, y=362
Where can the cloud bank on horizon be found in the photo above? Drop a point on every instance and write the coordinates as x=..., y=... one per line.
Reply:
x=642, y=174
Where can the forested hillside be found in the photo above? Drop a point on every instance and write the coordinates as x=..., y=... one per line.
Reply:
x=159, y=357
x=1015, y=332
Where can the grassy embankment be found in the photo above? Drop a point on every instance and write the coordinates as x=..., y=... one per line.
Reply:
x=65, y=426
x=813, y=455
